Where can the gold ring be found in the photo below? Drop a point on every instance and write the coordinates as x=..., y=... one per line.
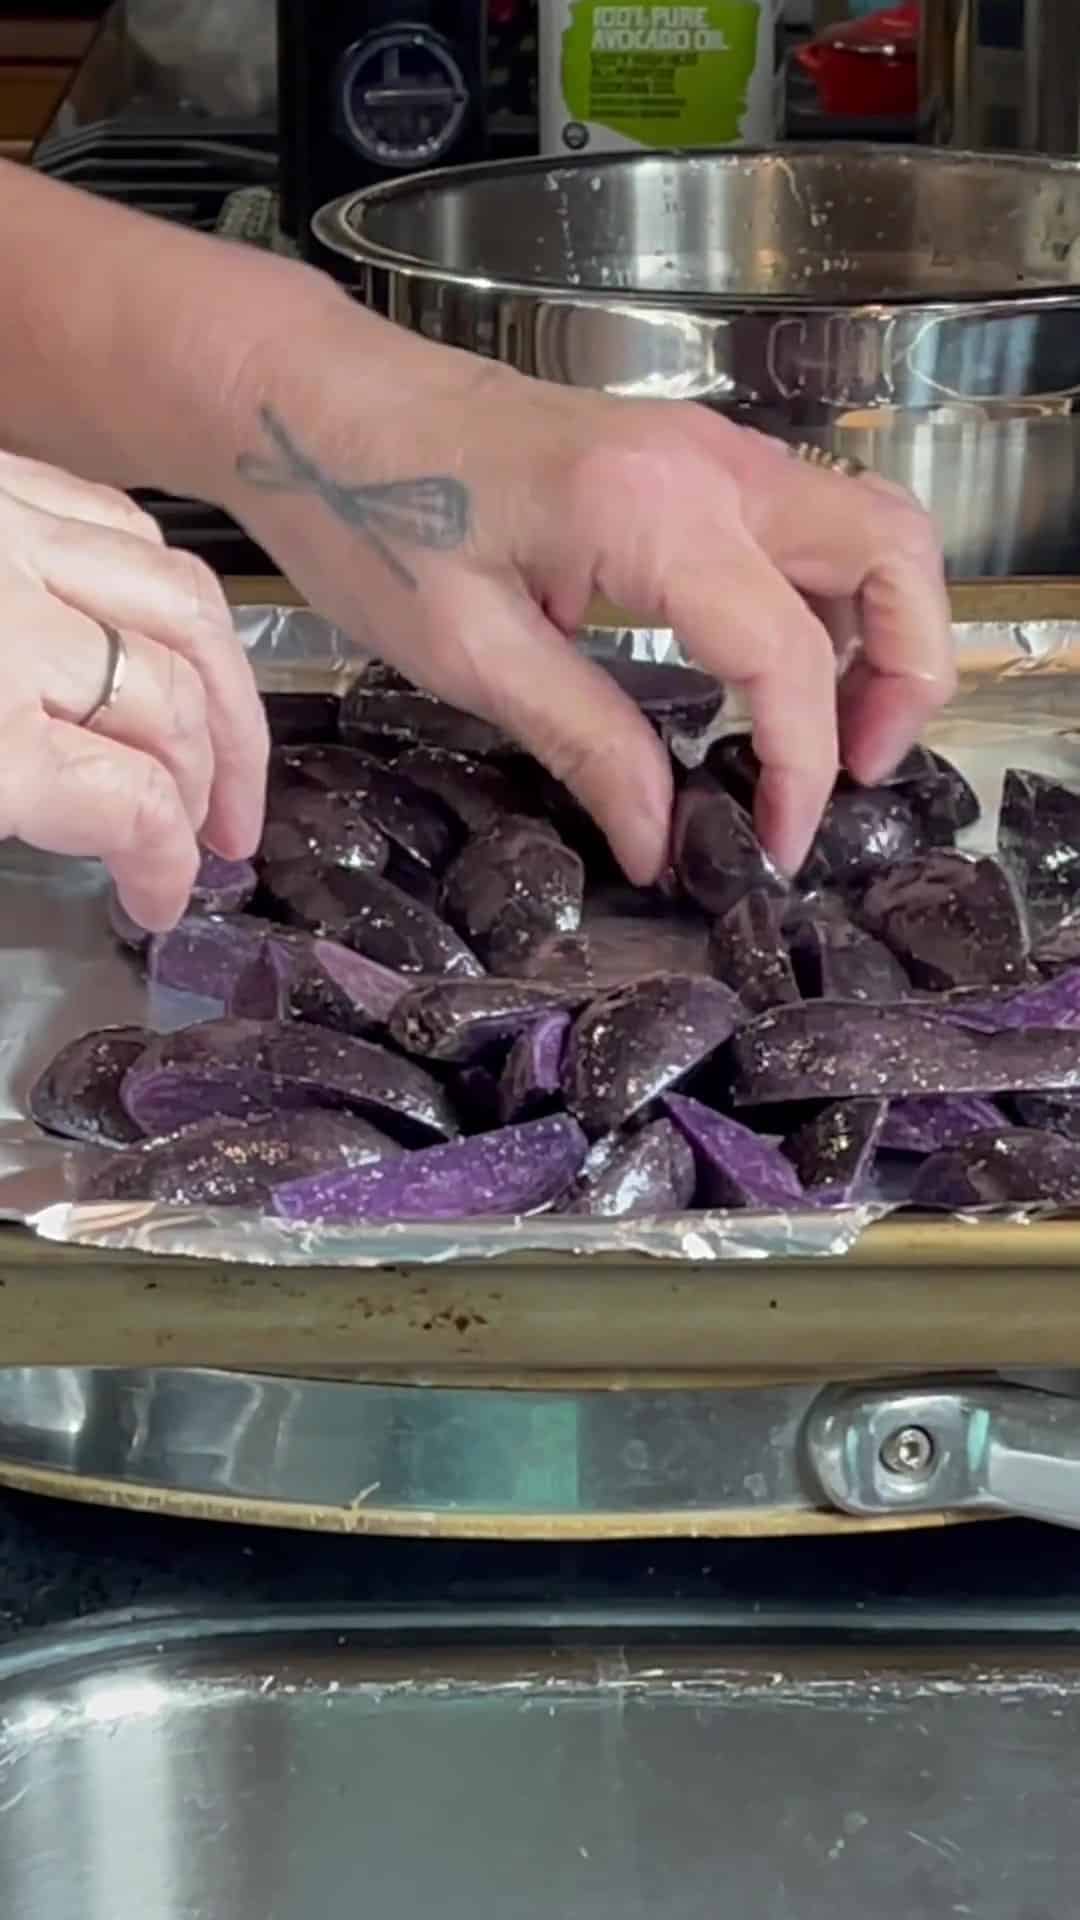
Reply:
x=844, y=463
x=115, y=675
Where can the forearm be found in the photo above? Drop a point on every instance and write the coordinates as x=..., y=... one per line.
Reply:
x=142, y=364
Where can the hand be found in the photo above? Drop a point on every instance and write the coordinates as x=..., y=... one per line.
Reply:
x=457, y=519
x=180, y=758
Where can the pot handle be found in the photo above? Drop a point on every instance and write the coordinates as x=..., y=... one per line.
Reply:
x=947, y=1446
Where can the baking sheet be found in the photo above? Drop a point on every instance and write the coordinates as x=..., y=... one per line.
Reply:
x=62, y=974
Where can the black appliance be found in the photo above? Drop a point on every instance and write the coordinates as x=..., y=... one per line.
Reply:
x=369, y=89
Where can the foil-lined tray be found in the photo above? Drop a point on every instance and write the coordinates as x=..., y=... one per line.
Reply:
x=62, y=974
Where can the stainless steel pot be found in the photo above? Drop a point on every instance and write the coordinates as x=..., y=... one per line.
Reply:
x=918, y=309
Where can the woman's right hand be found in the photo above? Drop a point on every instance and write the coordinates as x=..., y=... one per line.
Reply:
x=179, y=760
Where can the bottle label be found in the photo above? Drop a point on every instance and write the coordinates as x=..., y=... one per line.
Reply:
x=664, y=76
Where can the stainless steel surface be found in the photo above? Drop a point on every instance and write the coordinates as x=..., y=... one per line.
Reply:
x=994, y=1448
x=415, y=1454
x=276, y=1770
x=919, y=311
x=1001, y=77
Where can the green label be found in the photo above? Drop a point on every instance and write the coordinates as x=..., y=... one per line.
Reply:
x=659, y=75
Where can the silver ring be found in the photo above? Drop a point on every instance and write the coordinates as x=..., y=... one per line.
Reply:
x=115, y=675
x=844, y=463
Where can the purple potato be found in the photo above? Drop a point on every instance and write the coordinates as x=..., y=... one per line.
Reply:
x=410, y=717
x=301, y=719
x=476, y=1097
x=747, y=951
x=917, y=764
x=511, y=887
x=639, y=1041
x=952, y=920
x=942, y=800
x=648, y=1173
x=463, y=1021
x=237, y=1163
x=937, y=1120
x=833, y=1050
x=387, y=926
x=716, y=853
x=677, y=699
x=217, y=958
x=1059, y=948
x=1052, y=1113
x=863, y=830
x=833, y=959
x=1012, y=1166
x=365, y=912
x=412, y=820
x=222, y=886
x=238, y=1068
x=735, y=1167
x=1039, y=841
x=479, y=794
x=531, y=1082
x=550, y=807
x=405, y=873
x=834, y=1153
x=331, y=829
x=733, y=762
x=937, y=793
x=331, y=986
x=78, y=1095
x=516, y=1170
x=1051, y=1003
x=326, y=767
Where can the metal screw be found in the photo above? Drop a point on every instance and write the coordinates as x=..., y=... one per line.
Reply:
x=908, y=1452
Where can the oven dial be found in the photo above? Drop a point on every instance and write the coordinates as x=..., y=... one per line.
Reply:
x=403, y=97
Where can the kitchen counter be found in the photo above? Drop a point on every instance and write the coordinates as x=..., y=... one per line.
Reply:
x=59, y=1562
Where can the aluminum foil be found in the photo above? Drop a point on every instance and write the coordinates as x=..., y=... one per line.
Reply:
x=62, y=974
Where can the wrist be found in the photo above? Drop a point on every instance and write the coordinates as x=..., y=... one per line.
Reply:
x=216, y=360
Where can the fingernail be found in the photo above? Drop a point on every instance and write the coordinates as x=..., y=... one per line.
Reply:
x=871, y=768
x=784, y=836
x=642, y=845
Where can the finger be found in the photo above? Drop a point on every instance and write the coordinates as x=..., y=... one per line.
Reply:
x=866, y=540
x=52, y=490
x=67, y=791
x=666, y=537
x=745, y=624
x=173, y=599
x=160, y=708
x=530, y=679
x=840, y=621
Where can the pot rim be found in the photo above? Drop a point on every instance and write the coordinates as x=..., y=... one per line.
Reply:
x=332, y=227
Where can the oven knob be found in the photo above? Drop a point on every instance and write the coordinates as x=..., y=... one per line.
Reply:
x=403, y=97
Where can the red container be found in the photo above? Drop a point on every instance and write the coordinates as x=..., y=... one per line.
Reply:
x=867, y=69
